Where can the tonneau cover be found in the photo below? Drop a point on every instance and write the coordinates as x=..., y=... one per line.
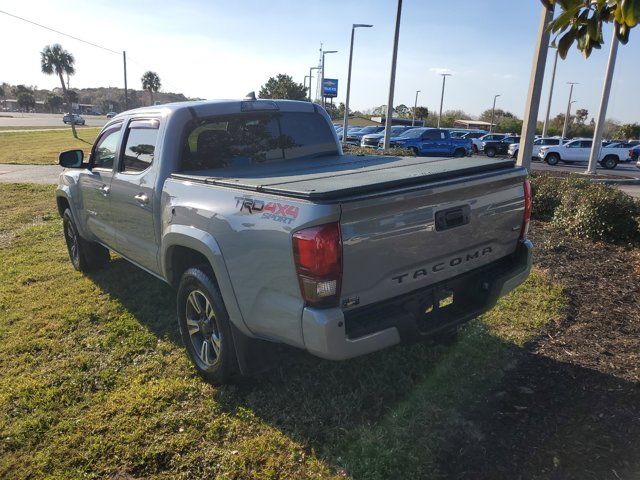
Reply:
x=332, y=176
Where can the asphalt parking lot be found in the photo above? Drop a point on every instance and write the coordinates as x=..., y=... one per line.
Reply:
x=40, y=120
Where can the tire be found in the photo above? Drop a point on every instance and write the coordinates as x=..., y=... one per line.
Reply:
x=85, y=256
x=415, y=151
x=515, y=154
x=491, y=152
x=552, y=159
x=459, y=153
x=204, y=326
x=609, y=162
x=474, y=148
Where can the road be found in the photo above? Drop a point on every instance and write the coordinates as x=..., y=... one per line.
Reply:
x=35, y=120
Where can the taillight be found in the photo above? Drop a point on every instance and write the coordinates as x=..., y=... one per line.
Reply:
x=318, y=256
x=528, y=205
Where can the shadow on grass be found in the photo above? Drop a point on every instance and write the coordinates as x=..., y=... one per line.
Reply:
x=480, y=409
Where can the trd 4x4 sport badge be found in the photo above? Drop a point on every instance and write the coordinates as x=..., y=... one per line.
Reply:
x=278, y=212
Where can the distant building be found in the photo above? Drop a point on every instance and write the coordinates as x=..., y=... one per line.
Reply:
x=473, y=124
x=397, y=121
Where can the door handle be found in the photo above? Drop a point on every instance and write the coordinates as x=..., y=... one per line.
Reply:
x=104, y=189
x=142, y=198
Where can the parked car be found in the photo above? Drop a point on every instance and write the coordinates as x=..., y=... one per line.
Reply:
x=373, y=139
x=266, y=241
x=77, y=119
x=498, y=147
x=634, y=153
x=491, y=137
x=514, y=148
x=623, y=144
x=354, y=138
x=579, y=150
x=432, y=141
x=111, y=114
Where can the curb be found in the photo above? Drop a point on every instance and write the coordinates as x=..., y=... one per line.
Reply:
x=610, y=181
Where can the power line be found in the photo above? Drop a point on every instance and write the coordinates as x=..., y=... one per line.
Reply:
x=61, y=33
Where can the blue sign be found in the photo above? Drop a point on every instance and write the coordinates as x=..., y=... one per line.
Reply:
x=329, y=87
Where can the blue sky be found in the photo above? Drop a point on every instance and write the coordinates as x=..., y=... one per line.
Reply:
x=223, y=49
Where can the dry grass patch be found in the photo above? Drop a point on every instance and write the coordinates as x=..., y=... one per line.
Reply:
x=43, y=147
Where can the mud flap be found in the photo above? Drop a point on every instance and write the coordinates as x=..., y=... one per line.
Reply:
x=253, y=355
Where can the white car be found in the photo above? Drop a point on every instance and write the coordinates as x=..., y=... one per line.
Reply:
x=579, y=150
x=514, y=148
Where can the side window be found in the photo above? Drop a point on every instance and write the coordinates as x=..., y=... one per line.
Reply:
x=104, y=151
x=142, y=136
x=586, y=143
x=431, y=135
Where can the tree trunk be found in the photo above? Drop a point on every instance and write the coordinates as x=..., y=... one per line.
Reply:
x=69, y=107
x=151, y=97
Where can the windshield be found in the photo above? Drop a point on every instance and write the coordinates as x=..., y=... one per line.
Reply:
x=366, y=130
x=256, y=138
x=413, y=133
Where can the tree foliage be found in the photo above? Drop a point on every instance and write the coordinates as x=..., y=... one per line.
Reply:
x=629, y=131
x=282, y=86
x=55, y=60
x=151, y=83
x=54, y=103
x=421, y=112
x=26, y=101
x=581, y=21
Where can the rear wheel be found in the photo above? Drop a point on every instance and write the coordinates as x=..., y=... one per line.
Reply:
x=85, y=256
x=474, y=148
x=415, y=151
x=204, y=325
x=490, y=151
x=552, y=159
x=609, y=162
x=459, y=152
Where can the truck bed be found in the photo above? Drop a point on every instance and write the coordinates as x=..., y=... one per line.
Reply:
x=332, y=177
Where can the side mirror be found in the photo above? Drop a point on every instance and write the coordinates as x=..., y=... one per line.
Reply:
x=71, y=159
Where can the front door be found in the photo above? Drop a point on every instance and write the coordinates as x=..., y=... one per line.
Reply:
x=132, y=195
x=95, y=186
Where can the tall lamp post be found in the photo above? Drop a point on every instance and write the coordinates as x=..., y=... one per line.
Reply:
x=493, y=113
x=310, y=77
x=444, y=81
x=346, y=105
x=392, y=80
x=324, y=52
x=553, y=81
x=415, y=106
x=566, y=117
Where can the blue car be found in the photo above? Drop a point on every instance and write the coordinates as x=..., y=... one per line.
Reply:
x=432, y=142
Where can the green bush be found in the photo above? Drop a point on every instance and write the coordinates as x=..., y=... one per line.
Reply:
x=585, y=209
x=598, y=212
x=398, y=152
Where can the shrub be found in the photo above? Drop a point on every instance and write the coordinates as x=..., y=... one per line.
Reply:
x=398, y=152
x=598, y=212
x=547, y=193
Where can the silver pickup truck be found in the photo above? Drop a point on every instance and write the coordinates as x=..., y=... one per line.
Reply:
x=270, y=234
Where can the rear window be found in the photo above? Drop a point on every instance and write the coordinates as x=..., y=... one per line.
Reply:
x=256, y=138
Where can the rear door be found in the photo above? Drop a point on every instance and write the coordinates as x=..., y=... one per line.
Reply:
x=394, y=244
x=95, y=186
x=431, y=143
x=132, y=194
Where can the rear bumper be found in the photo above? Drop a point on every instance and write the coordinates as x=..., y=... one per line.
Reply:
x=337, y=335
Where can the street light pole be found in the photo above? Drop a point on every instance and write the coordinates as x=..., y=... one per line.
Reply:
x=324, y=52
x=553, y=81
x=310, y=77
x=493, y=113
x=566, y=118
x=346, y=105
x=604, y=104
x=415, y=107
x=532, y=106
x=126, y=97
x=392, y=80
x=444, y=81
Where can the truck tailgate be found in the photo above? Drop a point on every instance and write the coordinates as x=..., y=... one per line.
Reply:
x=409, y=239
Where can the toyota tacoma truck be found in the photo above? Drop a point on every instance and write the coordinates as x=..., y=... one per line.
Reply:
x=431, y=142
x=268, y=233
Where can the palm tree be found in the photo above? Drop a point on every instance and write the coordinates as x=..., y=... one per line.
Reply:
x=56, y=60
x=151, y=83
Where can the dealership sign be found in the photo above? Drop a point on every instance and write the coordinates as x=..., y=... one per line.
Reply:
x=330, y=87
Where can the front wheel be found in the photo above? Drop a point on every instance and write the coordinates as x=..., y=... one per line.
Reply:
x=553, y=159
x=460, y=152
x=490, y=151
x=85, y=256
x=204, y=325
x=415, y=151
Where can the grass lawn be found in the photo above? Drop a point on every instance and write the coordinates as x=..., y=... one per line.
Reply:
x=42, y=148
x=94, y=382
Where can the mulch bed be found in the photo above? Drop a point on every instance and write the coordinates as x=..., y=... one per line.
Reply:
x=570, y=407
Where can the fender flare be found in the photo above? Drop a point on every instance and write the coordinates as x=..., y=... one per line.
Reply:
x=63, y=191
x=204, y=243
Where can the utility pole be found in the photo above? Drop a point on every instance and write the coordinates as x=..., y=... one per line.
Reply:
x=444, y=81
x=310, y=78
x=604, y=104
x=493, y=113
x=568, y=114
x=126, y=96
x=553, y=81
x=322, y=76
x=346, y=105
x=415, y=107
x=535, y=89
x=392, y=80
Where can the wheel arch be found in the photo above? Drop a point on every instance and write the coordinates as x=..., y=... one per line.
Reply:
x=184, y=247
